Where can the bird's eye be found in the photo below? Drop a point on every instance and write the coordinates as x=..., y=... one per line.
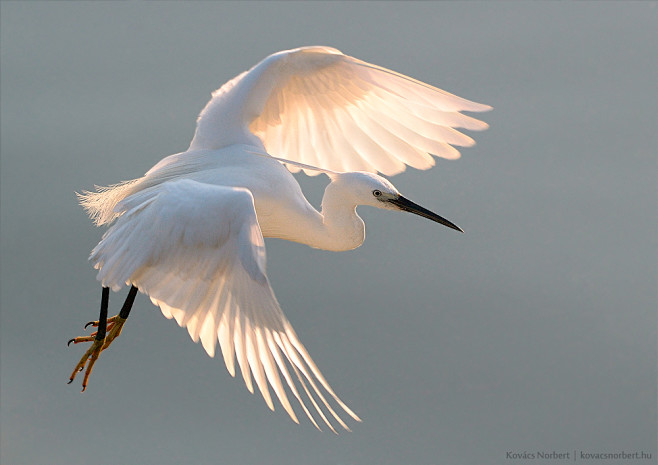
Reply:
x=377, y=193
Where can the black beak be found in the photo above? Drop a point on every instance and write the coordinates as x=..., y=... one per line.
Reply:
x=408, y=206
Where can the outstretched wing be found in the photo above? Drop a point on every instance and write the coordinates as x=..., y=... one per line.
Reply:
x=198, y=252
x=316, y=106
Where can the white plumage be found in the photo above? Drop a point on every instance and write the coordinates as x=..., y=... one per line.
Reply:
x=190, y=232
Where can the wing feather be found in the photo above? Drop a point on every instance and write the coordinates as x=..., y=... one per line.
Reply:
x=198, y=252
x=316, y=106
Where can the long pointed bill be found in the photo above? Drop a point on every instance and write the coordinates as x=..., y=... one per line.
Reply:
x=411, y=207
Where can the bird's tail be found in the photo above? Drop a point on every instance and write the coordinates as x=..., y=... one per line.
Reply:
x=100, y=205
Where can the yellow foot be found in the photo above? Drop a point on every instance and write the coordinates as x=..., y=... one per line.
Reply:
x=114, y=326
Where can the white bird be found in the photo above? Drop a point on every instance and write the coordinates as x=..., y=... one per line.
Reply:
x=189, y=233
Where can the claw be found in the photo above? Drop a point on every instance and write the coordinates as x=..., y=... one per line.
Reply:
x=98, y=345
x=77, y=340
x=90, y=356
x=91, y=323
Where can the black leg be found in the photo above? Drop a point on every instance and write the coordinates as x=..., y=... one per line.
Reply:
x=108, y=330
x=102, y=319
x=128, y=304
x=98, y=342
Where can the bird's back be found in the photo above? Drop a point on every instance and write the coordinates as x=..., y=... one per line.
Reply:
x=280, y=203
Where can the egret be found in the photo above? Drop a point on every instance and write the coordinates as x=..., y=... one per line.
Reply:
x=189, y=233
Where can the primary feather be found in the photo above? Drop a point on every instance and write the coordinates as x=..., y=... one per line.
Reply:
x=350, y=115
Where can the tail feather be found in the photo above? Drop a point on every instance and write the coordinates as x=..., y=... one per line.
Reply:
x=100, y=205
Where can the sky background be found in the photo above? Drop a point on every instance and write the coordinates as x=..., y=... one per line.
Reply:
x=534, y=331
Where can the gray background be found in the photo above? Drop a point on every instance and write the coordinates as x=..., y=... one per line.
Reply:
x=534, y=331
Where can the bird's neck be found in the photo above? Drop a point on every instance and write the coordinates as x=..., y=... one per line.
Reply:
x=337, y=227
x=343, y=228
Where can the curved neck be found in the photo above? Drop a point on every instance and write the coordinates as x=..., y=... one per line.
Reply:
x=343, y=228
x=337, y=227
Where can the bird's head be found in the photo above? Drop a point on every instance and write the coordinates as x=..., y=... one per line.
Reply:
x=363, y=188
